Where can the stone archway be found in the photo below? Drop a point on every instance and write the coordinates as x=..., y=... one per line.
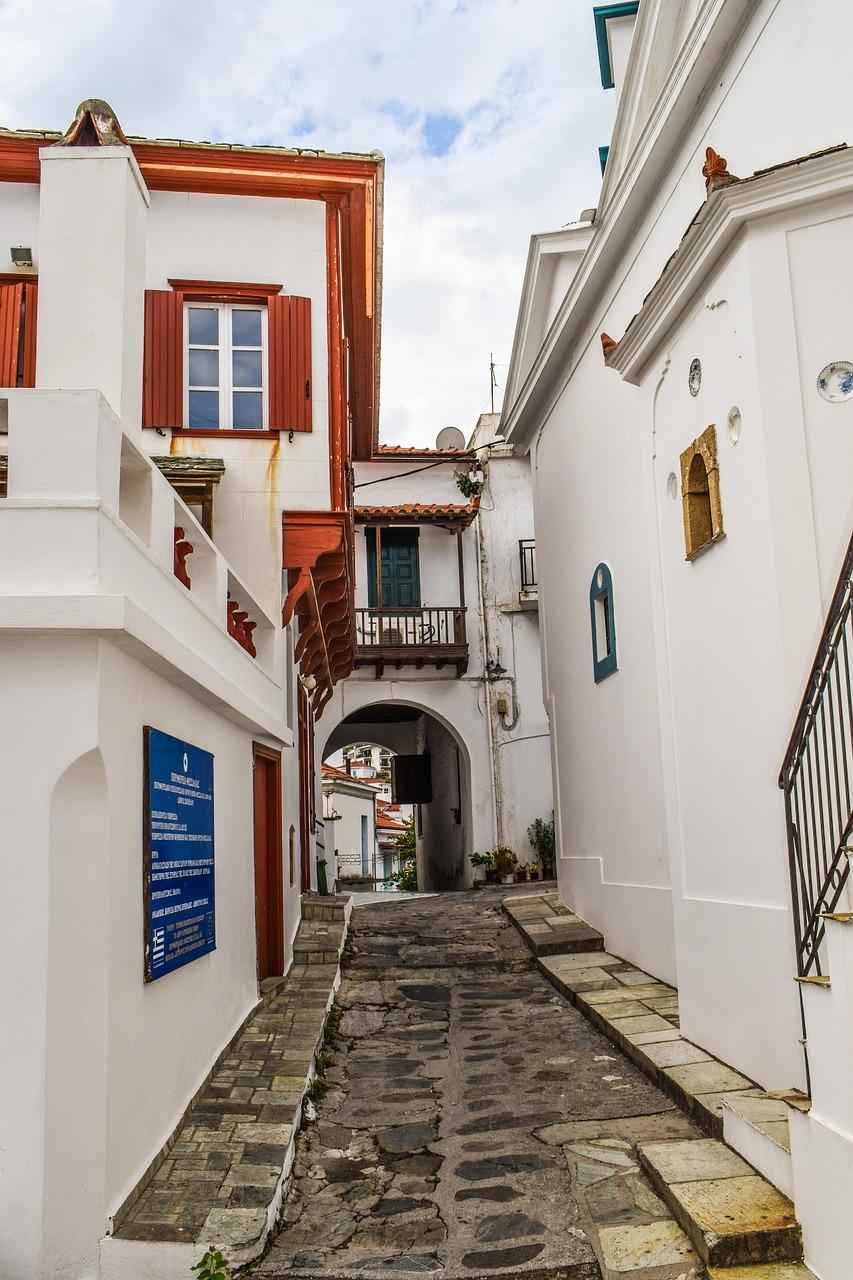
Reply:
x=443, y=824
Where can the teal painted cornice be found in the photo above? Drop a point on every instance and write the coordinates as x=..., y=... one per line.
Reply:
x=602, y=14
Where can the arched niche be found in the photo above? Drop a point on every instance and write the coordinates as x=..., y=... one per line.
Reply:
x=700, y=494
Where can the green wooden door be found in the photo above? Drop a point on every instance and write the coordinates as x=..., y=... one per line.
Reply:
x=401, y=579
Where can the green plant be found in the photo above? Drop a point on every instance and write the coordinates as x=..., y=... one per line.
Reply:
x=541, y=836
x=467, y=487
x=212, y=1266
x=407, y=877
x=504, y=860
x=481, y=859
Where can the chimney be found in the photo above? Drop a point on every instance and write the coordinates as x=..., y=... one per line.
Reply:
x=92, y=263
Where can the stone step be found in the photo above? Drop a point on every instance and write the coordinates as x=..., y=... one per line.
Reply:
x=549, y=928
x=763, y=1271
x=317, y=906
x=733, y=1217
x=757, y=1127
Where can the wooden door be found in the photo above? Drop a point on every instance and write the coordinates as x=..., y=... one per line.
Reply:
x=269, y=889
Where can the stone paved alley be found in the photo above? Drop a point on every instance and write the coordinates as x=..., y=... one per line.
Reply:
x=472, y=1121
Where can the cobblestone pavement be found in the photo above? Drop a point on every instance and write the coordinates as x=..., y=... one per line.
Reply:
x=473, y=1122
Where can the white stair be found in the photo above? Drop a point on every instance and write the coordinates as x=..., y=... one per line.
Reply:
x=756, y=1127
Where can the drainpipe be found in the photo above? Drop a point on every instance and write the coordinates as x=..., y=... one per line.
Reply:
x=496, y=778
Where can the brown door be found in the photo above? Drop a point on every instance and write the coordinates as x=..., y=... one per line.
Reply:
x=269, y=922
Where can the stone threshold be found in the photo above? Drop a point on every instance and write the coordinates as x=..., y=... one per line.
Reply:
x=221, y=1177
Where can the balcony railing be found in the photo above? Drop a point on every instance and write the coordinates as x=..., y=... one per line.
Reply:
x=527, y=556
x=817, y=779
x=419, y=636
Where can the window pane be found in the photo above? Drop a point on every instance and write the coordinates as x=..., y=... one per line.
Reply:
x=248, y=411
x=204, y=326
x=204, y=410
x=203, y=368
x=246, y=368
x=245, y=328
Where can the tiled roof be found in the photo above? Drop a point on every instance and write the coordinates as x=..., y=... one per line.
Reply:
x=421, y=513
x=416, y=451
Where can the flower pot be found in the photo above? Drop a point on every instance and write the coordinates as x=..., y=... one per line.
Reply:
x=492, y=876
x=510, y=879
x=521, y=876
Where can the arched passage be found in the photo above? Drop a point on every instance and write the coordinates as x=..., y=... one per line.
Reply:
x=443, y=823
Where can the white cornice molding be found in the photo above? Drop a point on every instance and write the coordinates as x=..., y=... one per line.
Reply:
x=710, y=237
x=708, y=48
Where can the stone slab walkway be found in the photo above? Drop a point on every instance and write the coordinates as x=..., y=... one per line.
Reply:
x=474, y=1124
x=220, y=1180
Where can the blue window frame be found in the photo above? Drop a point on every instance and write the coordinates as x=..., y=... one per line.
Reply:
x=603, y=623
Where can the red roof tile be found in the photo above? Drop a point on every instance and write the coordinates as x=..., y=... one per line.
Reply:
x=417, y=512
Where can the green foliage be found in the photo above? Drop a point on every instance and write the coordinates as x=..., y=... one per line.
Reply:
x=467, y=487
x=407, y=877
x=504, y=860
x=541, y=836
x=212, y=1266
x=481, y=859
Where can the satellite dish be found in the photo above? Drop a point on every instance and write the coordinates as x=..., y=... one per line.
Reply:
x=450, y=438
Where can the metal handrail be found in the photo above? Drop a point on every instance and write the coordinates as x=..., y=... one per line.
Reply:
x=410, y=628
x=527, y=556
x=817, y=779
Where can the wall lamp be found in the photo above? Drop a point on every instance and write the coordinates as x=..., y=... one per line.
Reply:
x=309, y=683
x=494, y=670
x=21, y=257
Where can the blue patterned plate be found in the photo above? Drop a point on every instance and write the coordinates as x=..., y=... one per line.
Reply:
x=835, y=382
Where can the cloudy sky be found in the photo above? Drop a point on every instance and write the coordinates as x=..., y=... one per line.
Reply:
x=489, y=114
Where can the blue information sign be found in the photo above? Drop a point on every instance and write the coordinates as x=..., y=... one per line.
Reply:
x=178, y=854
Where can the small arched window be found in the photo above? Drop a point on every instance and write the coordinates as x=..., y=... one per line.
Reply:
x=603, y=623
x=700, y=494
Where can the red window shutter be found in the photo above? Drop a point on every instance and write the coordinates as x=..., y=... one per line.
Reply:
x=163, y=379
x=10, y=331
x=31, y=297
x=291, y=391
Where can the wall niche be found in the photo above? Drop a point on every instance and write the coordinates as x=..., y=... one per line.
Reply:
x=700, y=494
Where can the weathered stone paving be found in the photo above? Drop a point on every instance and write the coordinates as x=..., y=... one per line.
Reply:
x=474, y=1123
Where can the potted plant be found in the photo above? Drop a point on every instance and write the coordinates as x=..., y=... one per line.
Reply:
x=534, y=871
x=504, y=862
x=521, y=873
x=541, y=836
x=482, y=864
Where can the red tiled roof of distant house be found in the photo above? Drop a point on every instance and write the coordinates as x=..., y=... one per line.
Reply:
x=418, y=512
x=415, y=451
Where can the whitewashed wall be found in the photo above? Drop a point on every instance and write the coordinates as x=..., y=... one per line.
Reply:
x=670, y=821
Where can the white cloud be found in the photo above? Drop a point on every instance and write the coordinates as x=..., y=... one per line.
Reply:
x=489, y=114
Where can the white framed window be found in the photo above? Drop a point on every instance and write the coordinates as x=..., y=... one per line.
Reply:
x=227, y=382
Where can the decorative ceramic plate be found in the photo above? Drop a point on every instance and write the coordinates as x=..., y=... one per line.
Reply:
x=694, y=377
x=835, y=382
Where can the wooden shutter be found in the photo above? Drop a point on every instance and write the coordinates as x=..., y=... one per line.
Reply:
x=163, y=379
x=290, y=364
x=31, y=295
x=10, y=332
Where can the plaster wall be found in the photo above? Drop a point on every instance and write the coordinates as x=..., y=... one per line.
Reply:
x=99, y=640
x=19, y=223
x=346, y=831
x=667, y=769
x=93, y=204
x=254, y=240
x=510, y=622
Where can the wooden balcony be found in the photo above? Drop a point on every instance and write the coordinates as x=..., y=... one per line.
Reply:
x=411, y=637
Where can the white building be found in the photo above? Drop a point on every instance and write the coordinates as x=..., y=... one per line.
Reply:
x=693, y=487
x=447, y=672
x=197, y=303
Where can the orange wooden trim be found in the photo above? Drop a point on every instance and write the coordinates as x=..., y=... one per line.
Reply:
x=223, y=290
x=10, y=330
x=31, y=299
x=17, y=277
x=337, y=405
x=298, y=589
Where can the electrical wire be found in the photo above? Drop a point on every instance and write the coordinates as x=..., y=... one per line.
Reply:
x=401, y=475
